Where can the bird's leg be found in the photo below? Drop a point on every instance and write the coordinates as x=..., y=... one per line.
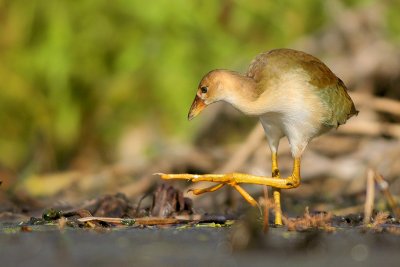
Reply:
x=276, y=191
x=275, y=169
x=234, y=179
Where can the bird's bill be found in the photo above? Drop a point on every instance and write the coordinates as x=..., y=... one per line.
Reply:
x=197, y=106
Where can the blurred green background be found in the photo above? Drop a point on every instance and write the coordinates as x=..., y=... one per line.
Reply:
x=74, y=75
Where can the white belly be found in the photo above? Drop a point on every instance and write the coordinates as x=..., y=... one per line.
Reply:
x=299, y=124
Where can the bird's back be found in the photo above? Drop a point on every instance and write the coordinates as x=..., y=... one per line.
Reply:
x=268, y=69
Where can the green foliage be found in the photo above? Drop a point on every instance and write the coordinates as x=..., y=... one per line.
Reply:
x=75, y=74
x=393, y=18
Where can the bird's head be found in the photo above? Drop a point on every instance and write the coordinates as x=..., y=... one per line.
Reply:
x=210, y=90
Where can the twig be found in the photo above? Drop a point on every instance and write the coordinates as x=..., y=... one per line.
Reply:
x=377, y=103
x=371, y=128
x=136, y=221
x=266, y=210
x=384, y=187
x=251, y=144
x=369, y=198
x=348, y=210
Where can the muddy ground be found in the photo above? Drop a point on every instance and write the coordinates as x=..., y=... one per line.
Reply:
x=111, y=230
x=194, y=246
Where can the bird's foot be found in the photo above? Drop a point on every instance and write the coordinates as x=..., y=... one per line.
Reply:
x=233, y=179
x=222, y=180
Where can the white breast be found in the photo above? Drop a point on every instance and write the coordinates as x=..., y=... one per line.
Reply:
x=291, y=109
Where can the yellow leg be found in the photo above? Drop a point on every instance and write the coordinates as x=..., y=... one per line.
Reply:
x=233, y=179
x=276, y=191
x=275, y=169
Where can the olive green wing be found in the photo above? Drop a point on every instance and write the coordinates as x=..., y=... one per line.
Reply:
x=338, y=102
x=331, y=90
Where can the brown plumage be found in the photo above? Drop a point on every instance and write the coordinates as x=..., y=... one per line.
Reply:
x=293, y=93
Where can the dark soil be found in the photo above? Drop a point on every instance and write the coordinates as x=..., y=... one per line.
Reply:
x=170, y=233
x=194, y=246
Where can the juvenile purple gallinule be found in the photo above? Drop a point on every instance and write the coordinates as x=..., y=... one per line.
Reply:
x=293, y=93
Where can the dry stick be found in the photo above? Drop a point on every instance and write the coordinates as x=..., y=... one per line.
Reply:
x=384, y=187
x=245, y=150
x=369, y=198
x=348, y=210
x=266, y=210
x=370, y=128
x=136, y=221
x=377, y=103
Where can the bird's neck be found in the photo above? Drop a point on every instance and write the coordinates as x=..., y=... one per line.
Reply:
x=241, y=92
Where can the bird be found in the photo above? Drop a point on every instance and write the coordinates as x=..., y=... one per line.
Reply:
x=293, y=94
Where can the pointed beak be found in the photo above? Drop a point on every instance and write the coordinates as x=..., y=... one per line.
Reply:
x=197, y=106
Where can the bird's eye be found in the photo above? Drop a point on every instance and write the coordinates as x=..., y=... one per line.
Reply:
x=204, y=89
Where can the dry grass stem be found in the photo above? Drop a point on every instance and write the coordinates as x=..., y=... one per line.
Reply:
x=371, y=128
x=349, y=210
x=137, y=221
x=266, y=210
x=245, y=150
x=369, y=198
x=377, y=103
x=384, y=187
